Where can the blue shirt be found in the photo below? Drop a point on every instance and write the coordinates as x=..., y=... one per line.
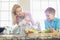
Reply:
x=54, y=24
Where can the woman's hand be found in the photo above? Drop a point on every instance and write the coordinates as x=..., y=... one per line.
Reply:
x=19, y=24
x=27, y=23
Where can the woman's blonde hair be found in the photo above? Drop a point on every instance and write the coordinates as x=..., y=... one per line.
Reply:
x=14, y=12
x=14, y=8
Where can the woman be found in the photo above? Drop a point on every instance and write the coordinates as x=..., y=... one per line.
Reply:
x=21, y=19
x=17, y=13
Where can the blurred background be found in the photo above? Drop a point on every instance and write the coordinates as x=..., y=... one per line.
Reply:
x=35, y=7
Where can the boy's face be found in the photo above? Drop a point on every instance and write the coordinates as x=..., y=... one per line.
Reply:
x=50, y=16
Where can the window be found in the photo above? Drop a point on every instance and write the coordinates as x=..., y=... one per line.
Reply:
x=5, y=12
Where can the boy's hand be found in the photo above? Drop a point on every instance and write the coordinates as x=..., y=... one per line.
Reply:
x=52, y=30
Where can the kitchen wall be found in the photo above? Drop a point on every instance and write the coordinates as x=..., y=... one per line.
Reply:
x=25, y=4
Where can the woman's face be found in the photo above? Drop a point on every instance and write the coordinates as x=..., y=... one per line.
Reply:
x=19, y=12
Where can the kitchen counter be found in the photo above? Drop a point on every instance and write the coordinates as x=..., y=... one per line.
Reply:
x=47, y=36
x=32, y=36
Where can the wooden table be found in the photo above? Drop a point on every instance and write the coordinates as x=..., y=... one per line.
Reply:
x=32, y=36
x=45, y=36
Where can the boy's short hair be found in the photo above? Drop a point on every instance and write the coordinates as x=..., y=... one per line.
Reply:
x=50, y=10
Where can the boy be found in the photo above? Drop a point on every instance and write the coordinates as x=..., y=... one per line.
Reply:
x=51, y=23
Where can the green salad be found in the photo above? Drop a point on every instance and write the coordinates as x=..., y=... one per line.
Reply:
x=47, y=31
